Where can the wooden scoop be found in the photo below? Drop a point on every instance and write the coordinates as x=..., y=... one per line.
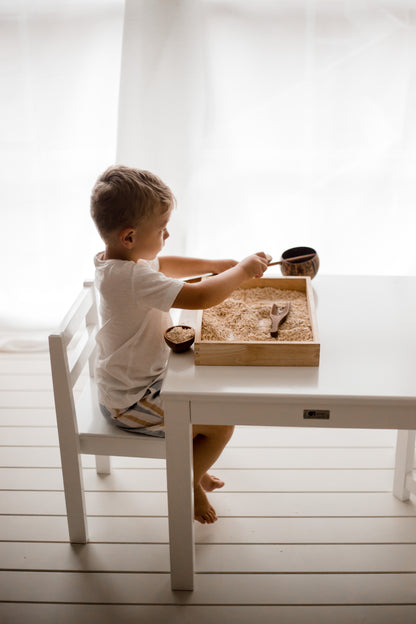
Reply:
x=277, y=316
x=305, y=257
x=197, y=278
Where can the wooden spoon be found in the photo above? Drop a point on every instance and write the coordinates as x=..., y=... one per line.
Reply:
x=278, y=315
x=306, y=257
x=197, y=278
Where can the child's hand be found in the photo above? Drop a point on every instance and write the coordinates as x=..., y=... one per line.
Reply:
x=255, y=265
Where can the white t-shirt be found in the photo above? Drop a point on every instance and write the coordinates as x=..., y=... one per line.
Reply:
x=135, y=299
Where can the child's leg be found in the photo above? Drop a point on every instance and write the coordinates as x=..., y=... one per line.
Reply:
x=209, y=441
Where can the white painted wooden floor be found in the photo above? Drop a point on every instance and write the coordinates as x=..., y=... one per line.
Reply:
x=308, y=530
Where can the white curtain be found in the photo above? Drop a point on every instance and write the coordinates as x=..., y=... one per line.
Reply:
x=280, y=123
x=311, y=134
x=162, y=108
x=60, y=66
x=276, y=122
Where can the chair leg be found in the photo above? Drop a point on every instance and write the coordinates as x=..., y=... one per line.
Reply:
x=74, y=498
x=405, y=450
x=103, y=464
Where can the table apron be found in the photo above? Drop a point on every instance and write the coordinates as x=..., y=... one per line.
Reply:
x=305, y=413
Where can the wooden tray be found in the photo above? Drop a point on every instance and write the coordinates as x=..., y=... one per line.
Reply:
x=260, y=353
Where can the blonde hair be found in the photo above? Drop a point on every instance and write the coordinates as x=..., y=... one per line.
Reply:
x=123, y=196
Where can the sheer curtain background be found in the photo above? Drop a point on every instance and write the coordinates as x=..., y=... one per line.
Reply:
x=276, y=123
x=311, y=133
x=60, y=68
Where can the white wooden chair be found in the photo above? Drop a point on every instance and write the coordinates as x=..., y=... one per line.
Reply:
x=82, y=429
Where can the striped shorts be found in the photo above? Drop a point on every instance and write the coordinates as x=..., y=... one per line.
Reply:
x=146, y=416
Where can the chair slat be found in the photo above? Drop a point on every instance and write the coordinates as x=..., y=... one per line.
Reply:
x=76, y=315
x=83, y=357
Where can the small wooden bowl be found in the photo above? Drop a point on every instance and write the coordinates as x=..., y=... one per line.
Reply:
x=179, y=347
x=300, y=267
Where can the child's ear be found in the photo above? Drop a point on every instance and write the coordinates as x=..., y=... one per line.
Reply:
x=127, y=237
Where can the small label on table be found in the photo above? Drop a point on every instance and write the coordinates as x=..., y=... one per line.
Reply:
x=311, y=413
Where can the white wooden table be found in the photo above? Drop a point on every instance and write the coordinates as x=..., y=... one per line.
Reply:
x=366, y=379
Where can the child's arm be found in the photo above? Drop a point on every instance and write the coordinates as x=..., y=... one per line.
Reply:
x=213, y=290
x=178, y=266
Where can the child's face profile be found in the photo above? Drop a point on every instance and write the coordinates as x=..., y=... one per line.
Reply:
x=151, y=235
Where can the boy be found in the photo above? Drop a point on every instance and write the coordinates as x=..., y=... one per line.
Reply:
x=131, y=209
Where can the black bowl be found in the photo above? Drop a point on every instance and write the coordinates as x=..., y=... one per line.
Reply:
x=184, y=345
x=300, y=267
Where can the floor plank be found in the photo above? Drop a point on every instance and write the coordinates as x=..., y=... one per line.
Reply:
x=231, y=458
x=326, y=530
x=27, y=382
x=231, y=504
x=236, y=480
x=212, y=558
x=224, y=589
x=24, y=417
x=28, y=398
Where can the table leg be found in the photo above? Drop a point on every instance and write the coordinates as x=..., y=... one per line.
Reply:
x=180, y=493
x=405, y=450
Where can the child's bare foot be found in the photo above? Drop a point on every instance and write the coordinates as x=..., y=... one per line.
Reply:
x=203, y=510
x=210, y=483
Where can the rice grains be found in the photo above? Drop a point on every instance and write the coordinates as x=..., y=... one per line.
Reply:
x=245, y=316
x=180, y=334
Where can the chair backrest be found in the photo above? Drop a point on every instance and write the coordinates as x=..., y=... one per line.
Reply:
x=82, y=429
x=71, y=350
x=81, y=426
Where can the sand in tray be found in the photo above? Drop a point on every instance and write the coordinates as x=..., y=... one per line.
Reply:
x=245, y=316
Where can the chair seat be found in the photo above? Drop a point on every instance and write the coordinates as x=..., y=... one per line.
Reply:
x=100, y=437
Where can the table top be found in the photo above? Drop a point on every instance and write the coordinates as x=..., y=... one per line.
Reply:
x=367, y=333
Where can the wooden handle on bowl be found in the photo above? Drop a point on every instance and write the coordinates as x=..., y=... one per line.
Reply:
x=306, y=257
x=197, y=278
